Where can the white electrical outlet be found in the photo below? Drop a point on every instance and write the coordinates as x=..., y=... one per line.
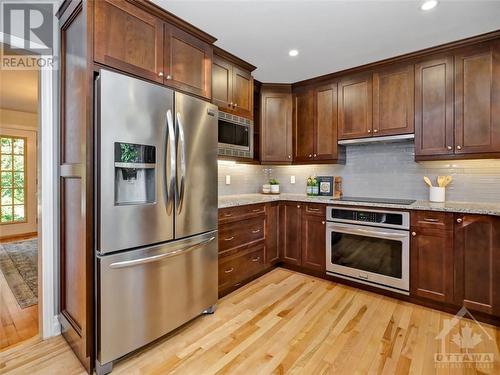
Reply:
x=228, y=179
x=292, y=179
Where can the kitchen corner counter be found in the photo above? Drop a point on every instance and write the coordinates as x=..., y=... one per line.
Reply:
x=456, y=207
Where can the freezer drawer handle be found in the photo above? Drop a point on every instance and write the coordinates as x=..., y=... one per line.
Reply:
x=154, y=258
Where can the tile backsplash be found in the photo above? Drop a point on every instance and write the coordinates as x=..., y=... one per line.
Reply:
x=385, y=170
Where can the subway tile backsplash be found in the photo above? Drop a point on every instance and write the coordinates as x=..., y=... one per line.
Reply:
x=385, y=170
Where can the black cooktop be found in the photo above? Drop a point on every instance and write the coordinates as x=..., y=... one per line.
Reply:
x=405, y=202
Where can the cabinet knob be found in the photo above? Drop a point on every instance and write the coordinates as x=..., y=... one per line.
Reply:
x=459, y=147
x=315, y=155
x=235, y=105
x=323, y=222
x=413, y=234
x=298, y=206
x=375, y=130
x=369, y=130
x=289, y=156
x=160, y=74
x=459, y=220
x=169, y=76
x=449, y=147
x=310, y=155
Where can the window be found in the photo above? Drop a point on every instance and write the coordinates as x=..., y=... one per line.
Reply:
x=12, y=180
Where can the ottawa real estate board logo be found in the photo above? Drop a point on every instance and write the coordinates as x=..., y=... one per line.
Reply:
x=27, y=35
x=465, y=343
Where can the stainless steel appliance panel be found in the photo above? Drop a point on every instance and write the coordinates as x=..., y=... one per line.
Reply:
x=146, y=293
x=134, y=112
x=196, y=193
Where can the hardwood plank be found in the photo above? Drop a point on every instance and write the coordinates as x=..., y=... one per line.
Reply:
x=285, y=323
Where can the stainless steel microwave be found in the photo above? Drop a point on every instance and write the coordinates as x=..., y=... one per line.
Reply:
x=235, y=136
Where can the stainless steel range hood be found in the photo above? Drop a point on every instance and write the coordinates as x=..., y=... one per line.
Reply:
x=387, y=139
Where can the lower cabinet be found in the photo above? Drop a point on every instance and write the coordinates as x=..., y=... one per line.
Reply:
x=290, y=228
x=272, y=233
x=431, y=257
x=477, y=263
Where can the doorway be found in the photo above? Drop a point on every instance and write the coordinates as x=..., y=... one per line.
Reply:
x=19, y=206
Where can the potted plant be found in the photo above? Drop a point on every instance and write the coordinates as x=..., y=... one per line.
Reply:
x=312, y=186
x=275, y=186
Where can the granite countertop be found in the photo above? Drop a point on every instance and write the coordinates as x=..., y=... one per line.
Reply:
x=458, y=207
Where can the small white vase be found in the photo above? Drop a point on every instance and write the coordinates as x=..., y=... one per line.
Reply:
x=275, y=189
x=437, y=194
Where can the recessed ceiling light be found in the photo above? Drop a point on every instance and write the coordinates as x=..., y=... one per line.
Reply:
x=293, y=52
x=428, y=5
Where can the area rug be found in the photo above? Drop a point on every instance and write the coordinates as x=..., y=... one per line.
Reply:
x=19, y=266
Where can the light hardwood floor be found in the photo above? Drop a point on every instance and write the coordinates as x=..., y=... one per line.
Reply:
x=16, y=324
x=286, y=322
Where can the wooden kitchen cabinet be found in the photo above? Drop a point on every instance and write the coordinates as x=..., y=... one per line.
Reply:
x=187, y=62
x=290, y=232
x=432, y=256
x=313, y=253
x=477, y=99
x=304, y=125
x=272, y=233
x=355, y=107
x=477, y=263
x=326, y=124
x=276, y=124
x=232, y=84
x=393, y=100
x=128, y=38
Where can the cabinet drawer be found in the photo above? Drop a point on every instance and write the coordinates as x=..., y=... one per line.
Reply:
x=237, y=267
x=242, y=232
x=241, y=212
x=432, y=219
x=315, y=209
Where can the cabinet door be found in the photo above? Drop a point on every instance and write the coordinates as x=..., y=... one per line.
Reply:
x=393, y=101
x=276, y=127
x=188, y=62
x=432, y=264
x=326, y=138
x=304, y=130
x=222, y=88
x=313, y=242
x=272, y=232
x=477, y=99
x=477, y=262
x=434, y=107
x=242, y=83
x=128, y=38
x=290, y=232
x=355, y=107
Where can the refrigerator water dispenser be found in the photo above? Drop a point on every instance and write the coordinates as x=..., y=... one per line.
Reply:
x=135, y=174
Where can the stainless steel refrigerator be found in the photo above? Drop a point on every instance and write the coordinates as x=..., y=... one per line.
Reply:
x=156, y=198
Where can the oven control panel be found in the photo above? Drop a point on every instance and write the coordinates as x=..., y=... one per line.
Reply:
x=389, y=219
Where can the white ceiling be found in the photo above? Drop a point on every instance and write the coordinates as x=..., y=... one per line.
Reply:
x=330, y=35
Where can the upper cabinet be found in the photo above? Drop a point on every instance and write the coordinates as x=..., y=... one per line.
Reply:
x=128, y=38
x=232, y=84
x=434, y=107
x=355, y=107
x=133, y=40
x=477, y=99
x=393, y=101
x=276, y=124
x=187, y=62
x=315, y=124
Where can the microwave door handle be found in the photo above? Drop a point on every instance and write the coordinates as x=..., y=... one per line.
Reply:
x=181, y=144
x=171, y=159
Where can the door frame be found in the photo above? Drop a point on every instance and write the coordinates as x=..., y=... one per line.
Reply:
x=48, y=324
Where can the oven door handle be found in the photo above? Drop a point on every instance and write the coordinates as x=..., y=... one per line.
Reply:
x=372, y=233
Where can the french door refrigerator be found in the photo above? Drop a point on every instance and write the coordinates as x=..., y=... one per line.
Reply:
x=156, y=198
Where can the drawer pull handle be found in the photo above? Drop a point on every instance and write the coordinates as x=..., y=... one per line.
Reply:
x=431, y=220
x=227, y=215
x=229, y=238
x=256, y=210
x=313, y=209
x=255, y=259
x=256, y=231
x=229, y=270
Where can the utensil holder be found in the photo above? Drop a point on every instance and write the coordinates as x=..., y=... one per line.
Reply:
x=437, y=194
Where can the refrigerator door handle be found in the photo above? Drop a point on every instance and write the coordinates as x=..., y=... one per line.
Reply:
x=170, y=189
x=182, y=163
x=155, y=258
